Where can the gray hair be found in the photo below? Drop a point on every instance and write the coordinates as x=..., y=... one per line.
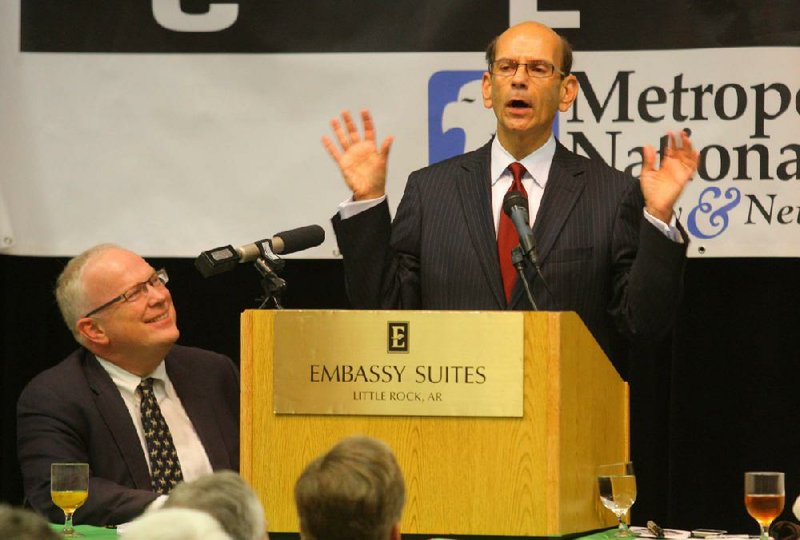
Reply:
x=70, y=292
x=227, y=497
x=21, y=524
x=174, y=524
x=353, y=492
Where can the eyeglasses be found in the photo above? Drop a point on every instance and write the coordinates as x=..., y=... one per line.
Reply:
x=158, y=280
x=538, y=69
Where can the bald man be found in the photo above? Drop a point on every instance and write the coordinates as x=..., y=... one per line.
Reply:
x=94, y=406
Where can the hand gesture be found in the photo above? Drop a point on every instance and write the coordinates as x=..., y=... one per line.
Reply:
x=363, y=166
x=661, y=187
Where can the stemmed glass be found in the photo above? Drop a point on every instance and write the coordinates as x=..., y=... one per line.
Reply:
x=764, y=497
x=69, y=489
x=617, y=486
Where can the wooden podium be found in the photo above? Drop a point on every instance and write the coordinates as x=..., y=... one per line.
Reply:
x=528, y=476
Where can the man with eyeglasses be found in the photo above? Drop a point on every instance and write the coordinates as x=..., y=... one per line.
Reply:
x=143, y=412
x=608, y=247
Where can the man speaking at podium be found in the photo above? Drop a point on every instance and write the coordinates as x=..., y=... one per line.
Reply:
x=143, y=412
x=608, y=246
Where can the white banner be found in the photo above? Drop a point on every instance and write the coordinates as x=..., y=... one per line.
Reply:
x=744, y=117
x=172, y=154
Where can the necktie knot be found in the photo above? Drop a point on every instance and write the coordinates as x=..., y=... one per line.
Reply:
x=517, y=171
x=145, y=385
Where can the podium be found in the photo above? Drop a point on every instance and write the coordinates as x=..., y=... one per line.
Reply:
x=532, y=475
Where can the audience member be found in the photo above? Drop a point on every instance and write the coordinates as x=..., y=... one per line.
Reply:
x=226, y=497
x=175, y=524
x=143, y=412
x=353, y=492
x=21, y=524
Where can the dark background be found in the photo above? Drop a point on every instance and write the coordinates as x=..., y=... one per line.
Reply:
x=712, y=402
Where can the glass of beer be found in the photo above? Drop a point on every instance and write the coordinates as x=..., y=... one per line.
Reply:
x=617, y=486
x=764, y=497
x=69, y=489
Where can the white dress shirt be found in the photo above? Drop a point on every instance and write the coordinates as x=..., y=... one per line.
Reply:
x=192, y=455
x=537, y=168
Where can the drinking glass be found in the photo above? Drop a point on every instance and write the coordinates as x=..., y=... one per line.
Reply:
x=69, y=489
x=617, y=486
x=764, y=496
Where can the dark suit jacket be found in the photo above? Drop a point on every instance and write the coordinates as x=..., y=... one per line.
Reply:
x=598, y=254
x=74, y=412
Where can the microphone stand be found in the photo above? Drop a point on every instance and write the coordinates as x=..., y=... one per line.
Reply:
x=518, y=260
x=268, y=265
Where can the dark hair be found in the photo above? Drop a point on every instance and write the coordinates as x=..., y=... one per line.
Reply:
x=566, y=54
x=353, y=492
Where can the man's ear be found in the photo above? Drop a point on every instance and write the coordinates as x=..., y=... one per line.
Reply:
x=395, y=534
x=91, y=331
x=486, y=90
x=568, y=92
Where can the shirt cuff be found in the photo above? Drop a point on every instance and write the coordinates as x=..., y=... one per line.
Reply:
x=350, y=208
x=670, y=231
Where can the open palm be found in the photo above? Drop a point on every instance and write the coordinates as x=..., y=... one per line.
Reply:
x=661, y=187
x=361, y=162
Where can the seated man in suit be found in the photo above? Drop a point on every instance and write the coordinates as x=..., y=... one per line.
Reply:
x=353, y=492
x=143, y=412
x=608, y=246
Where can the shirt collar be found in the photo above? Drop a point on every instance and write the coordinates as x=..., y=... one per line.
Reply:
x=537, y=163
x=129, y=381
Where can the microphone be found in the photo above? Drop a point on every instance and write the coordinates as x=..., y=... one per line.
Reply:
x=515, y=206
x=223, y=259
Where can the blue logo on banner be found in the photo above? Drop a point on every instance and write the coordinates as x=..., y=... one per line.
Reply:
x=704, y=220
x=458, y=92
x=457, y=120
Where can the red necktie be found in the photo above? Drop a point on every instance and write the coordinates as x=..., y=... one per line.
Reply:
x=507, y=237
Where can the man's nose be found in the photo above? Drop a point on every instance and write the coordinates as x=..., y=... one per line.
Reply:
x=520, y=77
x=156, y=295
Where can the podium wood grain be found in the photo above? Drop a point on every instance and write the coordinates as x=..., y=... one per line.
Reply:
x=529, y=476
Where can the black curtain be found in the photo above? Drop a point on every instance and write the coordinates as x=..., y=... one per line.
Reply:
x=712, y=402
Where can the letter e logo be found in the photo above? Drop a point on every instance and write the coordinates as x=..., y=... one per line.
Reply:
x=398, y=337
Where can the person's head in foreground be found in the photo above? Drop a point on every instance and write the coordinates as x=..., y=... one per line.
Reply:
x=21, y=524
x=227, y=497
x=355, y=491
x=175, y=524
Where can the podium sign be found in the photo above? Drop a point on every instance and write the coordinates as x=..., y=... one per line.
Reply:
x=398, y=363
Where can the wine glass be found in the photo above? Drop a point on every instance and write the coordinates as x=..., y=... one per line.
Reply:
x=617, y=486
x=69, y=489
x=764, y=496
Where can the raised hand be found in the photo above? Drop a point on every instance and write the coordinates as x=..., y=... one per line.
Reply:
x=661, y=187
x=363, y=165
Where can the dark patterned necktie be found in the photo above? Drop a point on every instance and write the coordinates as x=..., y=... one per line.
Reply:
x=507, y=237
x=165, y=468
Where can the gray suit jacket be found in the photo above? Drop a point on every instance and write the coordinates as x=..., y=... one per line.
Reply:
x=74, y=412
x=597, y=253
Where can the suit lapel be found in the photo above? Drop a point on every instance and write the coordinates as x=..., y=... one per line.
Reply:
x=476, y=198
x=115, y=414
x=565, y=184
x=200, y=412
